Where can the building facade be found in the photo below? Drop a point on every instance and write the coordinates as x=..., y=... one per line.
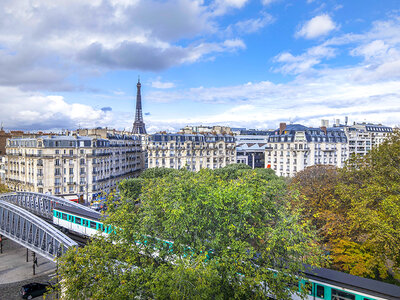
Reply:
x=295, y=147
x=2, y=169
x=363, y=136
x=191, y=151
x=250, y=148
x=83, y=165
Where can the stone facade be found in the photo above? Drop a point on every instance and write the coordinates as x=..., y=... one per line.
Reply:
x=85, y=165
x=363, y=136
x=191, y=151
x=295, y=147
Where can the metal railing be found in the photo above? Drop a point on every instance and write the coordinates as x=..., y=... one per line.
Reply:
x=32, y=232
x=40, y=204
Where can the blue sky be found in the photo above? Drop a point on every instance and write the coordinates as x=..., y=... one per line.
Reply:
x=243, y=63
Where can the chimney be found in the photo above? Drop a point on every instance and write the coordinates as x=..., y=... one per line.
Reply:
x=324, y=123
x=282, y=127
x=323, y=128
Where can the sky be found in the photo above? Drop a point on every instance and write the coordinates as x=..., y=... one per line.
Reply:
x=71, y=64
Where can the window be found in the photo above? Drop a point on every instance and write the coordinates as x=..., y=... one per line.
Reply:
x=308, y=287
x=93, y=224
x=78, y=220
x=321, y=292
x=64, y=216
x=339, y=295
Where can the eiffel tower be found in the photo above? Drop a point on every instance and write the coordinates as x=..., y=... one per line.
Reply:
x=138, y=125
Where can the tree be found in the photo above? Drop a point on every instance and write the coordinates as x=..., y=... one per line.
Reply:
x=195, y=235
x=158, y=172
x=3, y=188
x=370, y=186
x=318, y=201
x=356, y=210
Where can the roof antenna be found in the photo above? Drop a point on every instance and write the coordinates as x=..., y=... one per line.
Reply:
x=138, y=79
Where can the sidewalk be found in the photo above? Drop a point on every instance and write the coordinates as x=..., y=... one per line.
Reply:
x=13, y=265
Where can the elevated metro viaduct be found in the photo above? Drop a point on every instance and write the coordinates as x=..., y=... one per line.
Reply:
x=25, y=217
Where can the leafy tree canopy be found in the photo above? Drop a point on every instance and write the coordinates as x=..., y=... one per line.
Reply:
x=370, y=187
x=195, y=236
x=158, y=172
x=3, y=188
x=356, y=210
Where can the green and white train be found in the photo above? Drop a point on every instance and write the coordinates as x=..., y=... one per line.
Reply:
x=321, y=284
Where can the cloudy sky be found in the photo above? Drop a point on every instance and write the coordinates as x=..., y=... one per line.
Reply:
x=243, y=63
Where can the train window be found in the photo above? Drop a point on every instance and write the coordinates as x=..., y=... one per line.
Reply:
x=64, y=216
x=78, y=220
x=321, y=292
x=308, y=287
x=93, y=224
x=339, y=295
x=85, y=223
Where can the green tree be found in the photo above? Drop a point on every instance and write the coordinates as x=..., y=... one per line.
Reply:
x=158, y=172
x=370, y=187
x=318, y=201
x=194, y=235
x=131, y=188
x=3, y=188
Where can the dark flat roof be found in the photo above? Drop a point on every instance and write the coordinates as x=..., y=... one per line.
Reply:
x=360, y=284
x=80, y=212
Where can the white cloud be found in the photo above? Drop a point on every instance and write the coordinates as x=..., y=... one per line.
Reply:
x=220, y=7
x=251, y=25
x=268, y=2
x=22, y=110
x=43, y=42
x=304, y=62
x=318, y=26
x=158, y=84
x=332, y=94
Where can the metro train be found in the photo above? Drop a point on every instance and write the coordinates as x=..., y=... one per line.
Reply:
x=321, y=284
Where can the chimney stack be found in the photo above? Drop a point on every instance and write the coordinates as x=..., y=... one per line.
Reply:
x=324, y=123
x=323, y=128
x=282, y=127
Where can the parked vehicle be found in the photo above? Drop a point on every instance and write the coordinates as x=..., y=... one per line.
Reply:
x=34, y=289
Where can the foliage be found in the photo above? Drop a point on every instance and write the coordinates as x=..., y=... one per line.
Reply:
x=130, y=188
x=158, y=172
x=318, y=200
x=357, y=259
x=356, y=210
x=370, y=187
x=235, y=171
x=3, y=188
x=224, y=238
